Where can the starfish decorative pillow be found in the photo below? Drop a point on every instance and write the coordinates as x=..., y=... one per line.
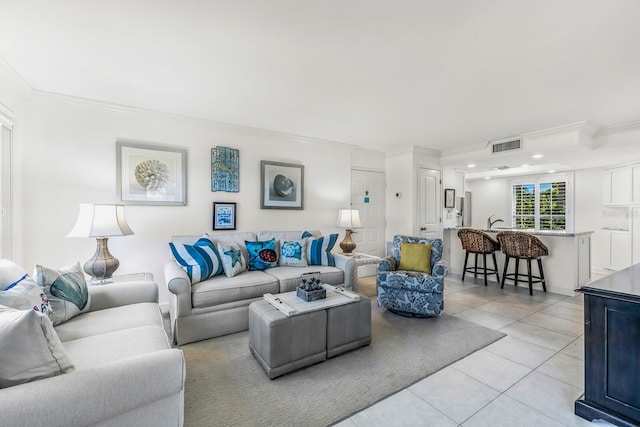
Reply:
x=233, y=262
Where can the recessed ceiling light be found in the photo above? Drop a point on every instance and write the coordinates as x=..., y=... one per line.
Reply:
x=487, y=177
x=552, y=171
x=524, y=165
x=471, y=165
x=537, y=156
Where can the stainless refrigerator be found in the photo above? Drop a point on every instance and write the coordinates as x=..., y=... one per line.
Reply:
x=464, y=218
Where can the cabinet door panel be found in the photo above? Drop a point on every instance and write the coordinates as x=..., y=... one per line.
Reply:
x=620, y=250
x=621, y=186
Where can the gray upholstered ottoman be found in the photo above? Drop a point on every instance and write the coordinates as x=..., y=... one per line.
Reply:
x=282, y=344
x=348, y=326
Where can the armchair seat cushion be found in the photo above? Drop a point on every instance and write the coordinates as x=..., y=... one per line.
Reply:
x=410, y=280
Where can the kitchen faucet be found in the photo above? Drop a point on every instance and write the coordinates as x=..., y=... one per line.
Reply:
x=490, y=223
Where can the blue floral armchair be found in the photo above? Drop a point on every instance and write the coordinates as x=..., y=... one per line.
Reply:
x=412, y=293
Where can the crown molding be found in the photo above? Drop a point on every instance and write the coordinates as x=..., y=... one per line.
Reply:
x=10, y=75
x=38, y=95
x=619, y=128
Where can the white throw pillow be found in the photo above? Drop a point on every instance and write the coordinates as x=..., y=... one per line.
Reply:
x=293, y=253
x=25, y=294
x=233, y=260
x=10, y=273
x=66, y=289
x=29, y=348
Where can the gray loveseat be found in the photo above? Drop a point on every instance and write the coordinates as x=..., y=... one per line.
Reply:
x=220, y=304
x=126, y=372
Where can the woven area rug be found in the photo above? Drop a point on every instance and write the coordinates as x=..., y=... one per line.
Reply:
x=225, y=385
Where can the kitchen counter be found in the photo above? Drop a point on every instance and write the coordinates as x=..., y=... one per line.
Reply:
x=567, y=266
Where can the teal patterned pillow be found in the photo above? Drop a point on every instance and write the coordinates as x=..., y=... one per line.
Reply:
x=262, y=254
x=66, y=290
x=293, y=253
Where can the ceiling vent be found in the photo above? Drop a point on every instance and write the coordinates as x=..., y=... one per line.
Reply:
x=508, y=145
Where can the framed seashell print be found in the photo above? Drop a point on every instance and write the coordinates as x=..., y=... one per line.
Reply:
x=151, y=174
x=282, y=185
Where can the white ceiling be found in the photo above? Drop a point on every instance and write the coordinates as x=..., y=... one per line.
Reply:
x=379, y=74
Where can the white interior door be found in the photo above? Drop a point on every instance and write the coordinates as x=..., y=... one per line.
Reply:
x=429, y=222
x=6, y=228
x=368, y=196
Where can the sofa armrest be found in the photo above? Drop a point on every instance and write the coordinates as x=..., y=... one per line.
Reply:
x=178, y=284
x=118, y=294
x=350, y=269
x=387, y=264
x=96, y=394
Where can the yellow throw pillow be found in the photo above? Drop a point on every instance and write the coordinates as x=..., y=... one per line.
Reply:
x=415, y=257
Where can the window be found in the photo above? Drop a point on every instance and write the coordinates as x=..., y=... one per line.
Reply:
x=540, y=203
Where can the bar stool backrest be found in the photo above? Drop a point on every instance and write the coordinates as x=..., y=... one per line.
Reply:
x=522, y=245
x=477, y=241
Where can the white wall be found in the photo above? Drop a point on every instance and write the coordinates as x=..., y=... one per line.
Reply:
x=490, y=197
x=588, y=208
x=400, y=194
x=68, y=156
x=368, y=160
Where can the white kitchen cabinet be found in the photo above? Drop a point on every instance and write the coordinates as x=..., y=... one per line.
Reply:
x=618, y=186
x=620, y=249
x=635, y=235
x=635, y=172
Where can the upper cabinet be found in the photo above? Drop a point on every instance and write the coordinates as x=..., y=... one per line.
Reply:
x=635, y=172
x=618, y=185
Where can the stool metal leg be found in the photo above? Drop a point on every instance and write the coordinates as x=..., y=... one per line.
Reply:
x=504, y=272
x=517, y=275
x=484, y=267
x=495, y=266
x=544, y=287
x=464, y=270
x=529, y=274
x=475, y=270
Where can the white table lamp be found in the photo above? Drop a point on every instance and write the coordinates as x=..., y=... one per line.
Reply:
x=101, y=222
x=348, y=219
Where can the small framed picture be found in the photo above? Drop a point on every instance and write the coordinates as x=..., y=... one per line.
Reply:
x=224, y=216
x=282, y=185
x=449, y=198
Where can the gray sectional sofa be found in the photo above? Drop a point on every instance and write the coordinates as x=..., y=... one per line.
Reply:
x=126, y=372
x=220, y=304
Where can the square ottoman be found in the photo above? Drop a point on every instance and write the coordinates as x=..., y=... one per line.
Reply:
x=282, y=344
x=348, y=326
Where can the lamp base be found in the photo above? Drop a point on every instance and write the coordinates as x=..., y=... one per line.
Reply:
x=347, y=245
x=102, y=264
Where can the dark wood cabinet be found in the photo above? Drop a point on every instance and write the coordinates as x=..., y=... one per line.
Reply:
x=612, y=349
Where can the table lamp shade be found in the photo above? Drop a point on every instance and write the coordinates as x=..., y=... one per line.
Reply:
x=348, y=218
x=101, y=222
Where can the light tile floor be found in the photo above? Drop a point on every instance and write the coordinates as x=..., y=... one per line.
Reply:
x=531, y=377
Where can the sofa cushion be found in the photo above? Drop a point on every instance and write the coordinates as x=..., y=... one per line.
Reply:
x=222, y=289
x=66, y=290
x=293, y=253
x=200, y=260
x=110, y=320
x=234, y=260
x=319, y=250
x=29, y=348
x=104, y=348
x=289, y=277
x=25, y=294
x=262, y=254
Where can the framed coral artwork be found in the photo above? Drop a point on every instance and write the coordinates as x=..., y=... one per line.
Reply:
x=151, y=174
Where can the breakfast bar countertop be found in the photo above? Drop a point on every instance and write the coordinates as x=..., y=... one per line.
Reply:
x=559, y=233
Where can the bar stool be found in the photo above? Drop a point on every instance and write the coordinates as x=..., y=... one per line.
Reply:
x=478, y=242
x=521, y=245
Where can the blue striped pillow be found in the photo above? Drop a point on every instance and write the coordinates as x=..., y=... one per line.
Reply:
x=319, y=250
x=200, y=260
